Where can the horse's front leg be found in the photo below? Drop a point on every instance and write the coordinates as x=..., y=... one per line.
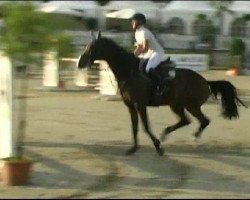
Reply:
x=143, y=114
x=134, y=119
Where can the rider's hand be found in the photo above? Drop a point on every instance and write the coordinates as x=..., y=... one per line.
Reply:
x=136, y=52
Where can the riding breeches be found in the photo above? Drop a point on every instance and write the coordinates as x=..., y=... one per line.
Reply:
x=155, y=59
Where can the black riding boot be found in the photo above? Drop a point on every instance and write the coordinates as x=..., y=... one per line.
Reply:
x=156, y=93
x=160, y=84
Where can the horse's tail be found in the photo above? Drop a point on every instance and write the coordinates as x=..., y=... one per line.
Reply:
x=229, y=98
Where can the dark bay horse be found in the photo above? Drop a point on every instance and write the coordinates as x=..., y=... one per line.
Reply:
x=187, y=91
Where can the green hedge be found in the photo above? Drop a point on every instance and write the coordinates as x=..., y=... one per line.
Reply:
x=237, y=47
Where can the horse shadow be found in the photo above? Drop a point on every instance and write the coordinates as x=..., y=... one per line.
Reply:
x=166, y=173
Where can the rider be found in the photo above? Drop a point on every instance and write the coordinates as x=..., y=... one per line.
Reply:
x=147, y=48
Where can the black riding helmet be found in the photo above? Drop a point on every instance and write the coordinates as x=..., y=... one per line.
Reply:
x=139, y=17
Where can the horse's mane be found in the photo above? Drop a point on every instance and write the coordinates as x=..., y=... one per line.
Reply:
x=114, y=45
x=127, y=60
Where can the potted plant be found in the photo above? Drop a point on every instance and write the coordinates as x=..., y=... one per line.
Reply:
x=26, y=35
x=237, y=50
x=64, y=48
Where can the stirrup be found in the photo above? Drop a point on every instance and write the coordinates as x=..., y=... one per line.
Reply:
x=162, y=89
x=158, y=91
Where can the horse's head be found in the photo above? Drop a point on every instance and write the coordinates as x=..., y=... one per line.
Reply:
x=92, y=52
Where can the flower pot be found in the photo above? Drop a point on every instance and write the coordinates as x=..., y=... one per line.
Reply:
x=16, y=171
x=235, y=71
x=62, y=84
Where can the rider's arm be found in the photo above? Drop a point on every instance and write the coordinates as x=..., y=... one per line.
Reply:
x=143, y=48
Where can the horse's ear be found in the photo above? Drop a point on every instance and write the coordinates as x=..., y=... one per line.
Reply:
x=99, y=35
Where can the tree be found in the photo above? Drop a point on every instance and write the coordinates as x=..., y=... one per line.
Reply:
x=221, y=7
x=246, y=17
x=237, y=50
x=205, y=29
x=237, y=47
x=238, y=28
x=102, y=3
x=161, y=1
x=22, y=32
x=64, y=47
x=91, y=23
x=27, y=34
x=101, y=19
x=161, y=5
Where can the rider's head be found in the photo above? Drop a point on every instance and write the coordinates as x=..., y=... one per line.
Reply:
x=138, y=19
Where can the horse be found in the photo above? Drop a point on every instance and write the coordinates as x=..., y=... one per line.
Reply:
x=188, y=90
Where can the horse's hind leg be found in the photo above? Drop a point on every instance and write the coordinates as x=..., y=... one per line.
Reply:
x=197, y=113
x=178, y=110
x=144, y=117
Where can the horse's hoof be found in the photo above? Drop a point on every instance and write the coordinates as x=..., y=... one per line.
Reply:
x=196, y=139
x=160, y=152
x=131, y=151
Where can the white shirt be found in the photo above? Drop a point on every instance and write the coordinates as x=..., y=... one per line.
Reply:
x=143, y=33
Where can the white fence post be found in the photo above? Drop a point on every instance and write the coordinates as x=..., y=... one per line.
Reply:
x=51, y=70
x=6, y=108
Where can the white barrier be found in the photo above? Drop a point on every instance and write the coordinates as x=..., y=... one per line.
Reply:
x=108, y=83
x=6, y=101
x=51, y=70
x=196, y=62
x=81, y=78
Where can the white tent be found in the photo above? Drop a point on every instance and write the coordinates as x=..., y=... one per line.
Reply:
x=122, y=14
x=75, y=8
x=137, y=5
x=129, y=12
x=92, y=9
x=187, y=11
x=126, y=9
x=240, y=7
x=191, y=6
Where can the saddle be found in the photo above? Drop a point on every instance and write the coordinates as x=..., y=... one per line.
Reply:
x=166, y=68
x=160, y=77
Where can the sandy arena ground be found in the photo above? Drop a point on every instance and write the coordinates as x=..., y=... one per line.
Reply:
x=78, y=143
